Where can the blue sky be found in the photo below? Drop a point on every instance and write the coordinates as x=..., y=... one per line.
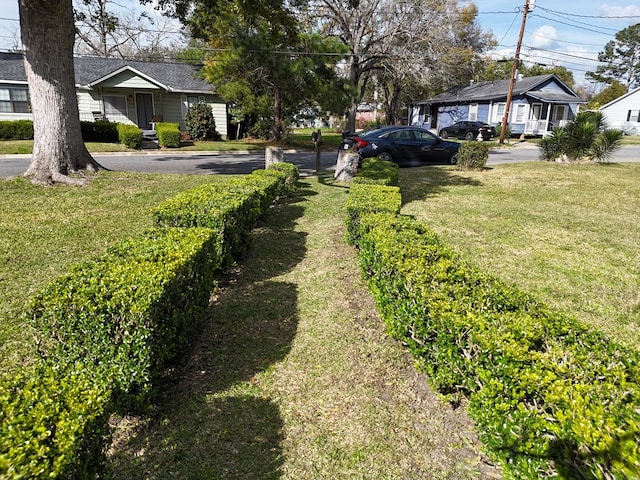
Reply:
x=567, y=32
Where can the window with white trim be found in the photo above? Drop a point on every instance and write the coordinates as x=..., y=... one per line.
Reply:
x=633, y=116
x=473, y=112
x=499, y=112
x=115, y=105
x=194, y=99
x=14, y=100
x=521, y=108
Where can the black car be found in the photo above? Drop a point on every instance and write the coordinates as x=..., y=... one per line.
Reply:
x=468, y=130
x=406, y=146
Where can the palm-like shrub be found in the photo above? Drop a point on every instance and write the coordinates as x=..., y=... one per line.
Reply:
x=584, y=138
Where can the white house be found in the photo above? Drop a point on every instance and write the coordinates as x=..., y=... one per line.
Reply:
x=125, y=91
x=623, y=113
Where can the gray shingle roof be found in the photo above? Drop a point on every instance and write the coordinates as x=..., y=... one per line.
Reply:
x=180, y=77
x=498, y=90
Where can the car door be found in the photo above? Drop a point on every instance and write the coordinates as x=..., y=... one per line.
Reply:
x=401, y=145
x=429, y=148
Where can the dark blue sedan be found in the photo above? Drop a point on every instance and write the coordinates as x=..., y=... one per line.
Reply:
x=406, y=146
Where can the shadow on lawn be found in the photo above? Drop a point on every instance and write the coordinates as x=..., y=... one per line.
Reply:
x=210, y=423
x=424, y=182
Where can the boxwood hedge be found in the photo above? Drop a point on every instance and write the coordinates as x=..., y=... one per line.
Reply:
x=549, y=397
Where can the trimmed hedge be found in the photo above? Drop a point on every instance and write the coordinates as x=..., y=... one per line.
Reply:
x=53, y=424
x=378, y=172
x=168, y=134
x=16, y=130
x=291, y=175
x=128, y=313
x=106, y=332
x=472, y=156
x=130, y=135
x=101, y=131
x=549, y=397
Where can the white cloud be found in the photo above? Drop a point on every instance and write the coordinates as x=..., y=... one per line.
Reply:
x=543, y=37
x=607, y=10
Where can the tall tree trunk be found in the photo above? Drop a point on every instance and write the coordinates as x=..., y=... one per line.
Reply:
x=277, y=129
x=48, y=31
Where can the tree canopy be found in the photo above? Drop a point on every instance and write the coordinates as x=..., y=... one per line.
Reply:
x=621, y=58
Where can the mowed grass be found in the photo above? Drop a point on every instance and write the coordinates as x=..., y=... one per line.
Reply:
x=293, y=375
x=570, y=234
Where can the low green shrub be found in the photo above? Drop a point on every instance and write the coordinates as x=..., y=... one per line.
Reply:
x=200, y=122
x=16, y=130
x=364, y=198
x=291, y=172
x=130, y=136
x=53, y=424
x=376, y=171
x=472, y=156
x=549, y=398
x=129, y=313
x=168, y=134
x=101, y=131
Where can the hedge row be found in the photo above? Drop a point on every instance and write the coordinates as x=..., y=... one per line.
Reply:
x=549, y=397
x=101, y=131
x=129, y=135
x=168, y=134
x=106, y=332
x=16, y=130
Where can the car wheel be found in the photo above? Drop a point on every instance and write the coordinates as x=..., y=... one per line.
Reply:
x=469, y=136
x=444, y=134
x=453, y=159
x=385, y=156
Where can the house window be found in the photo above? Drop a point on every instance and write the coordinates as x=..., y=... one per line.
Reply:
x=473, y=112
x=520, y=109
x=633, y=116
x=194, y=99
x=14, y=100
x=499, y=112
x=115, y=106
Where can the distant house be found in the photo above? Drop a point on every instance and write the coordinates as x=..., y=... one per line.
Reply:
x=538, y=105
x=623, y=113
x=125, y=91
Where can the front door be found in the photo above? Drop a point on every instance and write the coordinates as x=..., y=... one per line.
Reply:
x=144, y=109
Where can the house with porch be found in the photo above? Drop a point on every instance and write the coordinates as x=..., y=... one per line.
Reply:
x=125, y=91
x=538, y=104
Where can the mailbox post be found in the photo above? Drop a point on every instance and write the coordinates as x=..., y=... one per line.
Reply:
x=316, y=137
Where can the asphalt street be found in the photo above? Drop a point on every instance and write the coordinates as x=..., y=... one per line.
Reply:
x=245, y=162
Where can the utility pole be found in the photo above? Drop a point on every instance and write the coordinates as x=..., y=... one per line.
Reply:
x=528, y=6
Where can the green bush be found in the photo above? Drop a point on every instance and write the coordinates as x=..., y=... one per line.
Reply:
x=130, y=312
x=472, y=156
x=291, y=172
x=130, y=136
x=101, y=131
x=200, y=122
x=549, y=398
x=376, y=171
x=364, y=198
x=168, y=134
x=16, y=130
x=53, y=424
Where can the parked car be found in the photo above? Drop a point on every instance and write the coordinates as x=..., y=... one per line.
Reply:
x=468, y=130
x=406, y=146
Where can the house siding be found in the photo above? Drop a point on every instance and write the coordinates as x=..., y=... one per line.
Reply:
x=128, y=79
x=617, y=112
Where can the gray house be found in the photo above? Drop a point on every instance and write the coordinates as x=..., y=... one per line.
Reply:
x=125, y=91
x=624, y=112
x=538, y=105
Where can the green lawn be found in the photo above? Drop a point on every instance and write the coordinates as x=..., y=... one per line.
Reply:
x=567, y=233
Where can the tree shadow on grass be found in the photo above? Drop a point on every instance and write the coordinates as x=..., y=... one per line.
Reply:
x=211, y=423
x=424, y=182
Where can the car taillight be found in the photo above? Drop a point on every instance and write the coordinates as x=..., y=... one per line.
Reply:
x=359, y=143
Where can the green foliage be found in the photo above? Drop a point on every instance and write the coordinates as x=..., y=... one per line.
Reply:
x=102, y=131
x=130, y=312
x=619, y=59
x=16, y=130
x=507, y=133
x=130, y=136
x=365, y=198
x=200, y=122
x=291, y=175
x=168, y=134
x=584, y=137
x=610, y=93
x=378, y=172
x=548, y=396
x=473, y=156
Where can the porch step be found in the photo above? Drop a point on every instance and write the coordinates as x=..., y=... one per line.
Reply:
x=149, y=143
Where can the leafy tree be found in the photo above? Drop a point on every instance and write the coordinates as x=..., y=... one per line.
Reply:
x=621, y=58
x=201, y=123
x=608, y=94
x=584, y=138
